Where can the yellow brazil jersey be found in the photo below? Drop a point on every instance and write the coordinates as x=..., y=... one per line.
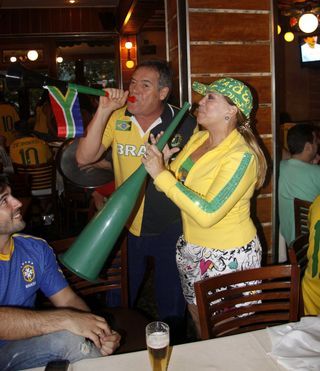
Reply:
x=128, y=146
x=8, y=117
x=30, y=151
x=154, y=212
x=311, y=279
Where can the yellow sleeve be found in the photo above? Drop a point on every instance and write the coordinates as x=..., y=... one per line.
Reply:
x=237, y=174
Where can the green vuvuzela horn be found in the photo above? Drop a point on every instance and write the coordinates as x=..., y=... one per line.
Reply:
x=91, y=249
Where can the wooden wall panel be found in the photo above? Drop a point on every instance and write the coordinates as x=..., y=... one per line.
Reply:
x=264, y=209
x=265, y=235
x=263, y=117
x=231, y=4
x=267, y=144
x=171, y=9
x=173, y=31
x=267, y=187
x=230, y=58
x=245, y=27
x=55, y=20
x=174, y=63
x=173, y=46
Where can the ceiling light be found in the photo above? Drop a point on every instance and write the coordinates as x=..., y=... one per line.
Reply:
x=288, y=36
x=59, y=59
x=128, y=45
x=279, y=30
x=32, y=55
x=129, y=63
x=308, y=22
x=13, y=59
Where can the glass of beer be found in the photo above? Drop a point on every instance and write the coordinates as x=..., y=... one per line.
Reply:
x=158, y=338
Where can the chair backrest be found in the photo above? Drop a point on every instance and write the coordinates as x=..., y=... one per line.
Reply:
x=43, y=177
x=301, y=210
x=247, y=300
x=112, y=277
x=297, y=252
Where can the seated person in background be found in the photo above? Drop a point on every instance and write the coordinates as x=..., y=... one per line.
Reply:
x=32, y=338
x=299, y=177
x=8, y=117
x=28, y=149
x=311, y=279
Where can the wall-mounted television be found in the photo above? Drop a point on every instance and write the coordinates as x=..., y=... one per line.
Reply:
x=309, y=46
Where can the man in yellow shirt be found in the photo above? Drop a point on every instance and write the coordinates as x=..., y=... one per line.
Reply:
x=30, y=151
x=311, y=279
x=8, y=117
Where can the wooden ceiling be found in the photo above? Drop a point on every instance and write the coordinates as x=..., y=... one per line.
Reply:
x=296, y=7
x=131, y=16
x=128, y=16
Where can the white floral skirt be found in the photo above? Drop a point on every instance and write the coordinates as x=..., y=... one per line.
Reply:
x=196, y=262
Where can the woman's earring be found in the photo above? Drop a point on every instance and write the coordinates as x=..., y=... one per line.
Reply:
x=227, y=118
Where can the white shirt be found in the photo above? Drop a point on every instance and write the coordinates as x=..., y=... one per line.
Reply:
x=310, y=54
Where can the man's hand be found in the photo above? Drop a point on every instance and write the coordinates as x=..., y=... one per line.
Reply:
x=167, y=151
x=109, y=343
x=116, y=99
x=154, y=160
x=87, y=325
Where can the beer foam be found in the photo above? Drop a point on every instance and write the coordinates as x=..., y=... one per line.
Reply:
x=158, y=340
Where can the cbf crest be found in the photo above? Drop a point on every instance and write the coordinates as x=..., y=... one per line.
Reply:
x=176, y=140
x=27, y=270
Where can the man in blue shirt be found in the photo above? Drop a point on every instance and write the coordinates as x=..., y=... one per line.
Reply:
x=32, y=338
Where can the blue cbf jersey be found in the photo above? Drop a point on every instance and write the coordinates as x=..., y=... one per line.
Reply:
x=30, y=266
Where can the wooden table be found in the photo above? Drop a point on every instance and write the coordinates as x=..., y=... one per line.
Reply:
x=244, y=352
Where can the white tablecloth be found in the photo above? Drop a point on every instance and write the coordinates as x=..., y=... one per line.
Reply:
x=244, y=352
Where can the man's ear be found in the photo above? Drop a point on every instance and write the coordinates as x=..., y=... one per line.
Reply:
x=164, y=93
x=307, y=147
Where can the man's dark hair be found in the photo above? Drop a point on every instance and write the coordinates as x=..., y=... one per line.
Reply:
x=3, y=182
x=298, y=136
x=165, y=74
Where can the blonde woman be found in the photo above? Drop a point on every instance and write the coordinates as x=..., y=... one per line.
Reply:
x=212, y=181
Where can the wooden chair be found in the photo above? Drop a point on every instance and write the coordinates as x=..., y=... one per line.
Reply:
x=43, y=177
x=271, y=298
x=297, y=253
x=301, y=211
x=128, y=322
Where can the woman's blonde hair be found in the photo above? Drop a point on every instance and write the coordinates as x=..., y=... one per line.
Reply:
x=245, y=130
x=243, y=127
